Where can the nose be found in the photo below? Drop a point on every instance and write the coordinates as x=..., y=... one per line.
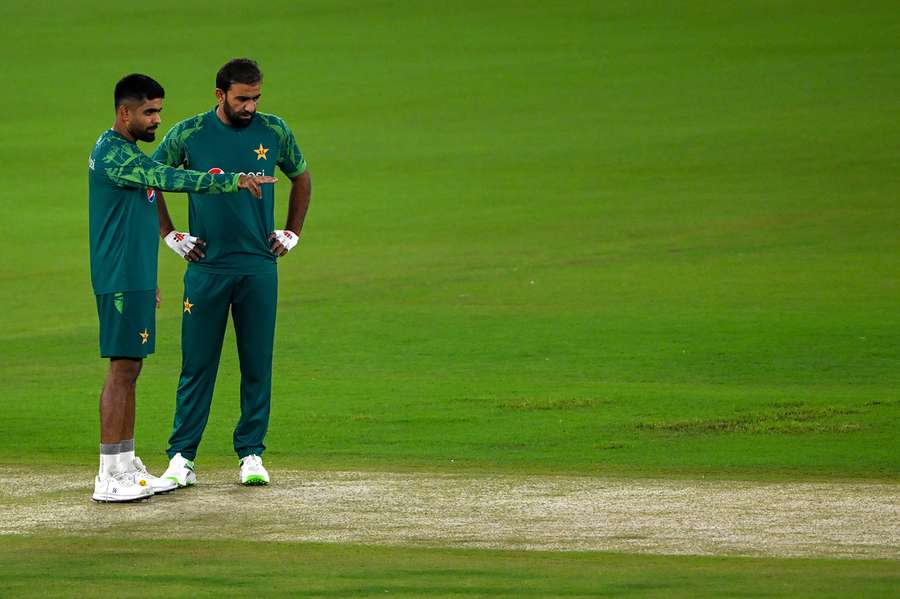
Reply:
x=250, y=106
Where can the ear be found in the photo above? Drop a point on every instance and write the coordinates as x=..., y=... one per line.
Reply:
x=220, y=96
x=122, y=112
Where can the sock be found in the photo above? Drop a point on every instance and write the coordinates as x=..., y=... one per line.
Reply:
x=109, y=459
x=126, y=455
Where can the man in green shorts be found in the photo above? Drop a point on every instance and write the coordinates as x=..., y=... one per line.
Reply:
x=124, y=225
x=233, y=266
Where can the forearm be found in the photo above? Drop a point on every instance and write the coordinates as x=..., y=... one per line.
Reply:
x=165, y=221
x=144, y=172
x=298, y=204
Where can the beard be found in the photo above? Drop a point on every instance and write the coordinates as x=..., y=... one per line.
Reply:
x=148, y=134
x=237, y=119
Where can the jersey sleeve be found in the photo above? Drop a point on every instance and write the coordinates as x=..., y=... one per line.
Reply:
x=129, y=167
x=290, y=161
x=171, y=149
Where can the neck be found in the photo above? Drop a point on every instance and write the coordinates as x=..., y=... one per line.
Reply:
x=222, y=116
x=120, y=128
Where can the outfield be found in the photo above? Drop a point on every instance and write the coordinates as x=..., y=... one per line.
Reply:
x=615, y=240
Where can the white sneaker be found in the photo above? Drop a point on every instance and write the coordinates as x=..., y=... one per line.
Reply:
x=139, y=474
x=253, y=472
x=180, y=471
x=119, y=488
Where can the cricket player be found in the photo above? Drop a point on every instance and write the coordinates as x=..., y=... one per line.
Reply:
x=124, y=225
x=232, y=265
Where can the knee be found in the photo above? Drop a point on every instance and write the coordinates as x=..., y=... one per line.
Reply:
x=125, y=371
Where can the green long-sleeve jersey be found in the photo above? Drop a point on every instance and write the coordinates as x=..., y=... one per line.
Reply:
x=124, y=225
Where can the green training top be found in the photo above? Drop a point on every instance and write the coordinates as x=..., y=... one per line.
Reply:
x=236, y=232
x=124, y=225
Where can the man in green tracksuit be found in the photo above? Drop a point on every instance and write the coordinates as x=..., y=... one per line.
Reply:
x=122, y=184
x=233, y=265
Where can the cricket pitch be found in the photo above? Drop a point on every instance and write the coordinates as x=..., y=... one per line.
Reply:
x=843, y=520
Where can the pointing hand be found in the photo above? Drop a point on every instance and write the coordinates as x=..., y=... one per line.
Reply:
x=252, y=183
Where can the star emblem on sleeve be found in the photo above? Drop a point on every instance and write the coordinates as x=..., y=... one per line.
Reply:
x=188, y=305
x=261, y=152
x=145, y=336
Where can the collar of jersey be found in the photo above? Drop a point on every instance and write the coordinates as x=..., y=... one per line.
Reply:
x=218, y=122
x=120, y=136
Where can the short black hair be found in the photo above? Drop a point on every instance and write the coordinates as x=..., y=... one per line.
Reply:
x=137, y=88
x=238, y=70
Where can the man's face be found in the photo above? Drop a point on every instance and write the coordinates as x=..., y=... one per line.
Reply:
x=239, y=103
x=143, y=119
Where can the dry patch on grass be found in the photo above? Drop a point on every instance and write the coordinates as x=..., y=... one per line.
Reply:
x=533, y=405
x=505, y=512
x=785, y=419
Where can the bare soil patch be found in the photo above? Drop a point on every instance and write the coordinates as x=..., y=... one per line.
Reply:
x=846, y=520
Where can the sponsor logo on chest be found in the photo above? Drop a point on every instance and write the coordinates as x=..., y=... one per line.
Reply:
x=217, y=171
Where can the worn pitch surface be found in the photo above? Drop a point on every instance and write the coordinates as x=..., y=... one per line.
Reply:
x=811, y=519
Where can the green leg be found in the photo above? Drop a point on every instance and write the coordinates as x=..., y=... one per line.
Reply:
x=203, y=322
x=253, y=311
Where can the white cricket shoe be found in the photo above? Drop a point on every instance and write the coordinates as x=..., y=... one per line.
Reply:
x=139, y=474
x=119, y=488
x=253, y=472
x=180, y=471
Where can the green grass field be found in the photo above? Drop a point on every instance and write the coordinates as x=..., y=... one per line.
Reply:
x=594, y=238
x=242, y=569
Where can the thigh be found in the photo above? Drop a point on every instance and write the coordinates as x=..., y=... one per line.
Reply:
x=253, y=309
x=204, y=311
x=127, y=323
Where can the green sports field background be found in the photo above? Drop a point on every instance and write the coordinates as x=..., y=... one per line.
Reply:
x=601, y=238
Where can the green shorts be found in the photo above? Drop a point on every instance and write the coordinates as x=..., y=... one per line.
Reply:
x=127, y=323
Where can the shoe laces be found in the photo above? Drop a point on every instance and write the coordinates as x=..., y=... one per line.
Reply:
x=139, y=467
x=123, y=478
x=252, y=460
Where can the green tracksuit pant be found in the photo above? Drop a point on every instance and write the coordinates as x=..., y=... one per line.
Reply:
x=252, y=301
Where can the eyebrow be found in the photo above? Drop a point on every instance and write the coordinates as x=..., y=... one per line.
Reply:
x=256, y=97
